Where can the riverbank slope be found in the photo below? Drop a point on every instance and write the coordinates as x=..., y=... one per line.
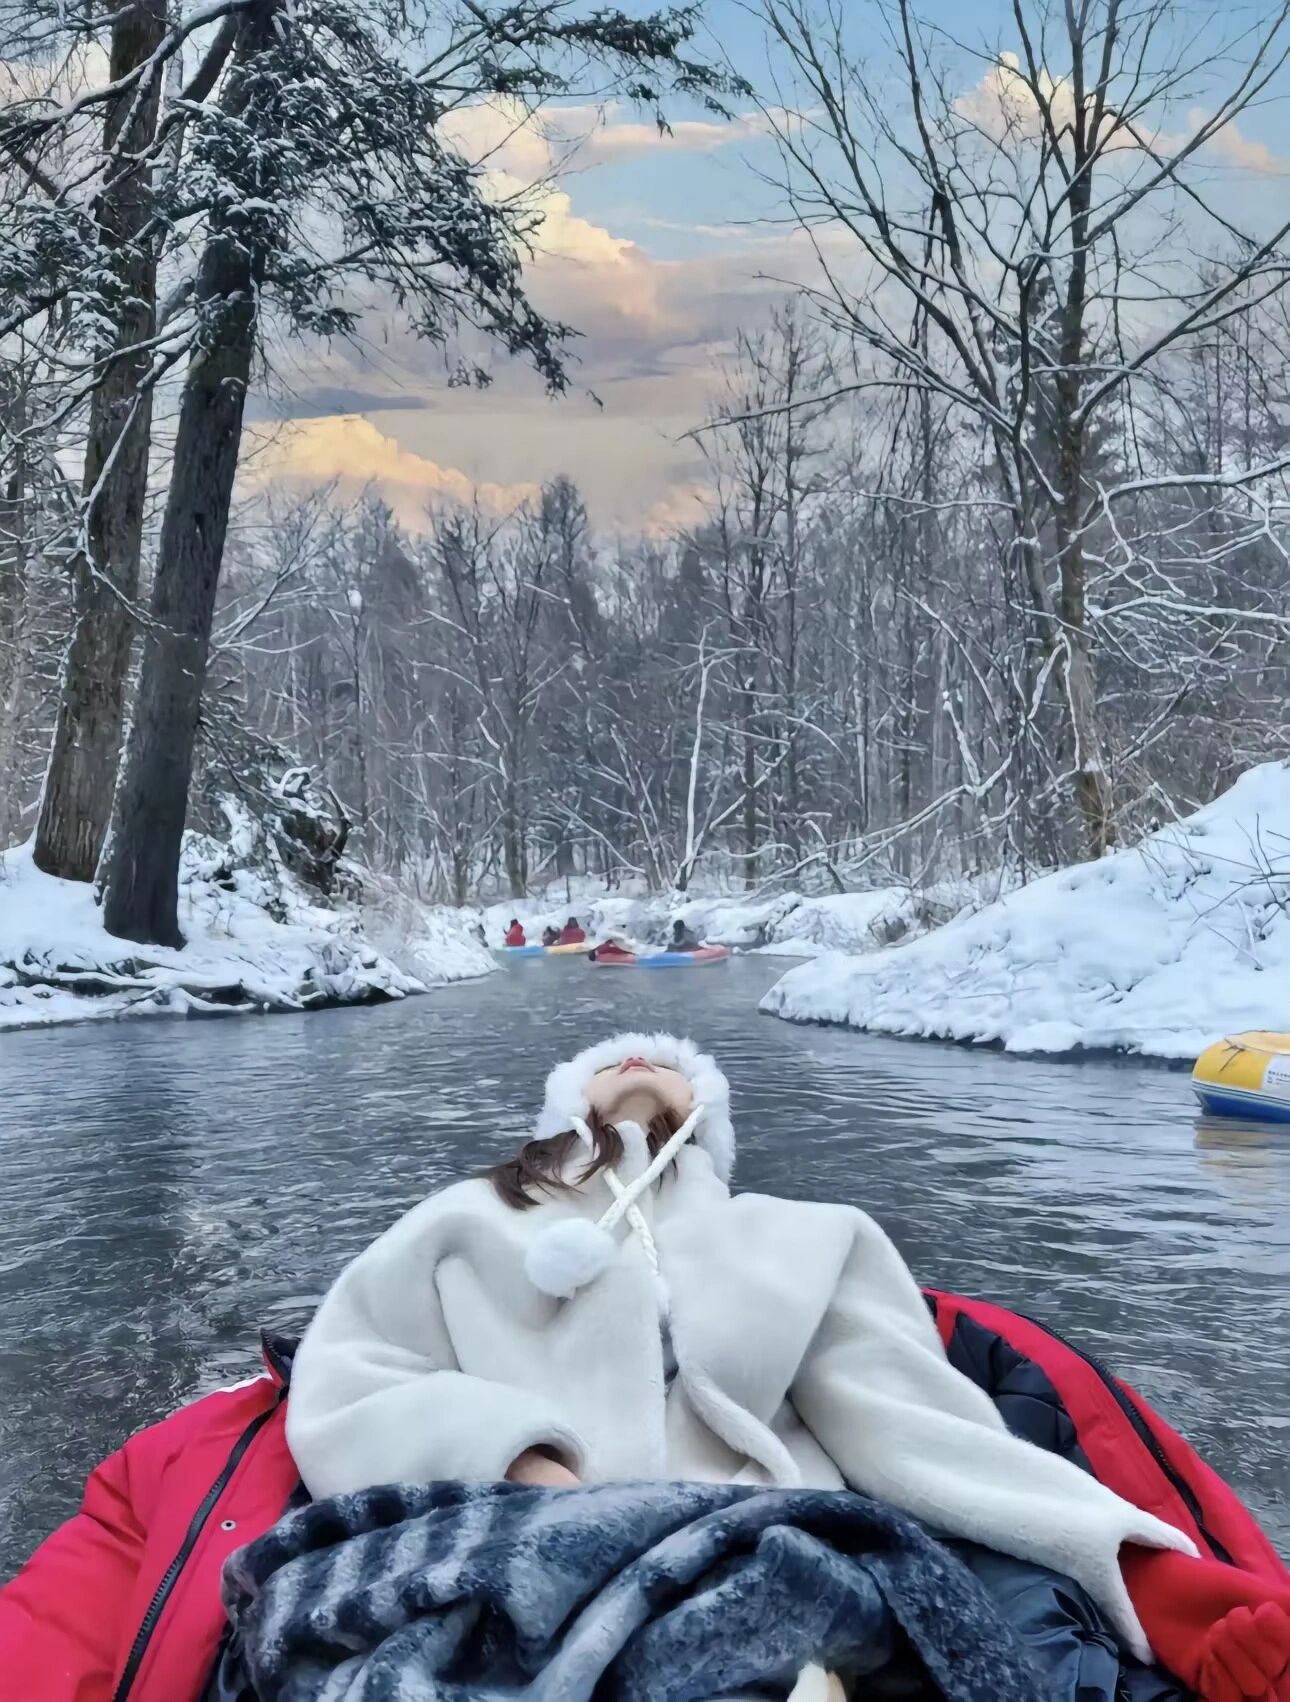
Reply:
x=1158, y=949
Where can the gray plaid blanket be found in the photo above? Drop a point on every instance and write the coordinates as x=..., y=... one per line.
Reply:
x=640, y=1592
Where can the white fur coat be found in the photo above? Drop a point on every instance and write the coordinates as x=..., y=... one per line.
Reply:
x=804, y=1353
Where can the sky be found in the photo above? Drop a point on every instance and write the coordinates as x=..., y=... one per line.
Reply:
x=658, y=250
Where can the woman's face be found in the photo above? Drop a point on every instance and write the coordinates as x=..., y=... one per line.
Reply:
x=635, y=1090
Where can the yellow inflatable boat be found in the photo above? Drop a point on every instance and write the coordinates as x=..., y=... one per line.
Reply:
x=1247, y=1075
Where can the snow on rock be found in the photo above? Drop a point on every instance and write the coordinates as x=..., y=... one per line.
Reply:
x=1159, y=949
x=437, y=944
x=255, y=941
x=845, y=921
x=743, y=924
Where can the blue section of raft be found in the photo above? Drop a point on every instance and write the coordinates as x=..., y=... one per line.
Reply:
x=524, y=951
x=675, y=960
x=1234, y=1102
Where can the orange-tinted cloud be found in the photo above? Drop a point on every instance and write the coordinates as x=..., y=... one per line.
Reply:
x=1240, y=150
x=350, y=453
x=652, y=334
x=683, y=506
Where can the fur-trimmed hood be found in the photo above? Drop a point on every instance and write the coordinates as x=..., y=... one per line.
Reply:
x=566, y=1089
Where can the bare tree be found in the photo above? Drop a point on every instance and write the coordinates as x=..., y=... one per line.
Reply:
x=1021, y=216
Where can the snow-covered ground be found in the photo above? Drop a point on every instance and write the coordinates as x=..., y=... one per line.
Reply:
x=253, y=943
x=1159, y=949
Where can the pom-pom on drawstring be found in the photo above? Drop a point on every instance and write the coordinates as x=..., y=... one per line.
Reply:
x=568, y=1255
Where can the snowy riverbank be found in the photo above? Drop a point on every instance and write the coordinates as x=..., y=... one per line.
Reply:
x=1159, y=949
x=255, y=942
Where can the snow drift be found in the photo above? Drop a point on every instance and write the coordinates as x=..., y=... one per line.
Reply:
x=1159, y=949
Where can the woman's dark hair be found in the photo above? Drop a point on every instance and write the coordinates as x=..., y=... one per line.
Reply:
x=540, y=1165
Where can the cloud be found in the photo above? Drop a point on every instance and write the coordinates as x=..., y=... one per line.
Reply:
x=524, y=154
x=603, y=137
x=748, y=232
x=520, y=158
x=1004, y=103
x=529, y=144
x=351, y=453
x=652, y=334
x=322, y=399
x=1244, y=151
x=501, y=136
x=676, y=510
x=563, y=235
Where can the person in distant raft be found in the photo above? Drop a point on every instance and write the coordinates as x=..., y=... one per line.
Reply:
x=550, y=936
x=601, y=1310
x=682, y=939
x=613, y=950
x=515, y=933
x=571, y=934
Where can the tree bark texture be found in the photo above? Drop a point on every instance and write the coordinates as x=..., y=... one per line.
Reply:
x=76, y=800
x=142, y=885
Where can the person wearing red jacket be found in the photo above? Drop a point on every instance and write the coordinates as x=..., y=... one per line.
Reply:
x=515, y=933
x=122, y=1604
x=571, y=934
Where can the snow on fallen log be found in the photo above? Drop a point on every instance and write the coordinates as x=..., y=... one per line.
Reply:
x=1158, y=949
x=256, y=941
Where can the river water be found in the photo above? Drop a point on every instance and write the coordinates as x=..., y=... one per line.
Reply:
x=167, y=1188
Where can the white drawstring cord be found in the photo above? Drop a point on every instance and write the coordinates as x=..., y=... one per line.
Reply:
x=616, y=1188
x=625, y=1197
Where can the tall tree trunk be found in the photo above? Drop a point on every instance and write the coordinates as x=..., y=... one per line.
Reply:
x=1093, y=798
x=76, y=801
x=1092, y=783
x=513, y=831
x=142, y=885
x=748, y=713
x=15, y=657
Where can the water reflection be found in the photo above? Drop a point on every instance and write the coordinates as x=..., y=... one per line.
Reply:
x=165, y=1189
x=1247, y=1158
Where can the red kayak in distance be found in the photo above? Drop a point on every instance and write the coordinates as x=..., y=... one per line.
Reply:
x=613, y=957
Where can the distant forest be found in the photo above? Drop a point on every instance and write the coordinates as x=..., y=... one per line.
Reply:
x=992, y=571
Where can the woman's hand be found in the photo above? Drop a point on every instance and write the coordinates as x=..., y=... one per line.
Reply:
x=541, y=1470
x=1247, y=1656
x=1223, y=1631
